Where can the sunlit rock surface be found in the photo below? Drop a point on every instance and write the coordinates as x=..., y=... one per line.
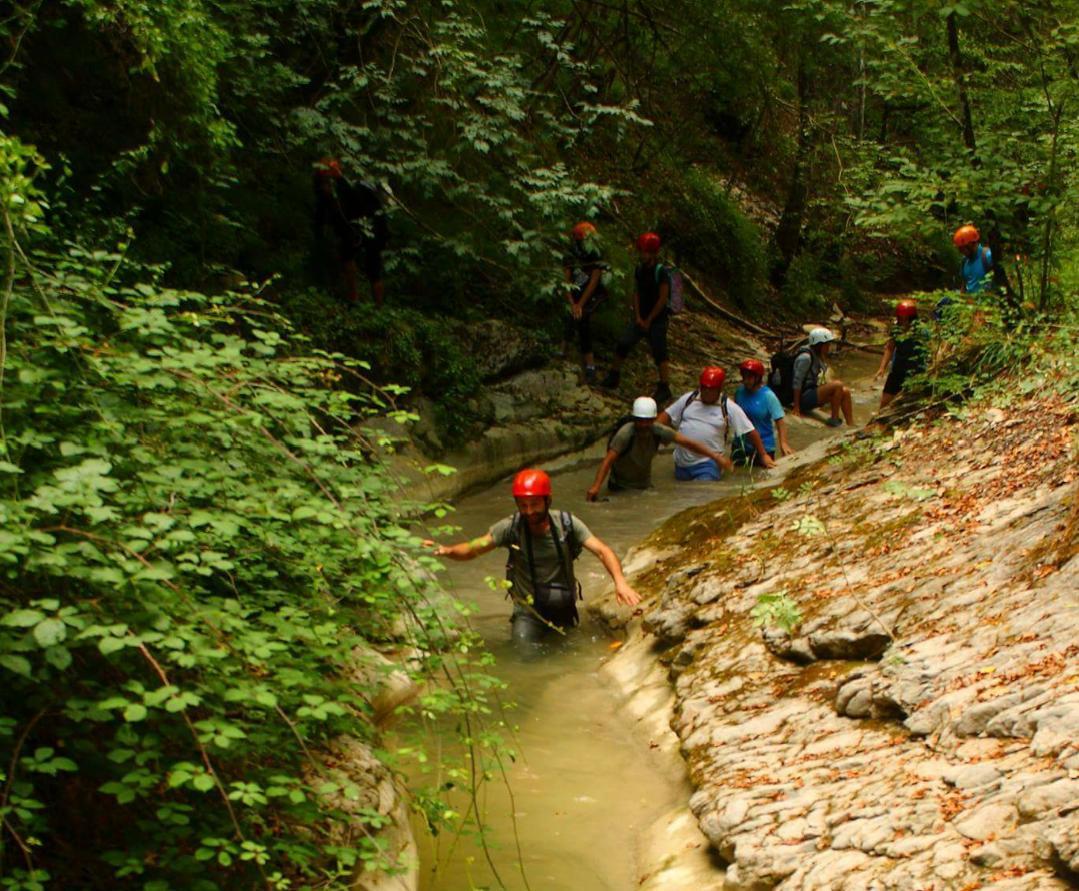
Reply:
x=920, y=727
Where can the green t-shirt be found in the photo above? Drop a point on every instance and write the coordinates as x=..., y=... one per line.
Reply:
x=633, y=470
x=545, y=556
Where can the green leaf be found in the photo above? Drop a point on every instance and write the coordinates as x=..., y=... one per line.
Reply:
x=23, y=618
x=50, y=632
x=8, y=467
x=58, y=657
x=17, y=664
x=135, y=712
x=111, y=644
x=203, y=782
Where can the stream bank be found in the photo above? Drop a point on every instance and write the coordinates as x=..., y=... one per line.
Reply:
x=599, y=799
x=918, y=728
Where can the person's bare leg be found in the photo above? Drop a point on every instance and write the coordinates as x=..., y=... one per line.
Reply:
x=832, y=395
x=664, y=371
x=886, y=400
x=848, y=406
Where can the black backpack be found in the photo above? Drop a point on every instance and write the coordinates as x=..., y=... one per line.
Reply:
x=781, y=379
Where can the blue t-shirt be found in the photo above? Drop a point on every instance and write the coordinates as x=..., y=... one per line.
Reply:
x=977, y=271
x=762, y=407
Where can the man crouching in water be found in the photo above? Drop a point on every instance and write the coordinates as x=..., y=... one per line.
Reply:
x=542, y=547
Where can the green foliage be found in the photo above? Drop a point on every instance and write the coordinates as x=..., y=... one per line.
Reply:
x=196, y=551
x=803, y=291
x=709, y=227
x=777, y=610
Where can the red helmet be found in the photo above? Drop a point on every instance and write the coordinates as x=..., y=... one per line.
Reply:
x=582, y=230
x=712, y=377
x=330, y=167
x=531, y=482
x=965, y=235
x=752, y=366
x=906, y=309
x=648, y=243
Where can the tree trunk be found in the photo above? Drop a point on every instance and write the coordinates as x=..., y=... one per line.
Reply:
x=789, y=231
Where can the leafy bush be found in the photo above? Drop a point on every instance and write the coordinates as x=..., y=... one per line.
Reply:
x=196, y=547
x=722, y=241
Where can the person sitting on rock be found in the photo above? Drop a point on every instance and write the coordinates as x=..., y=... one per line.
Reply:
x=586, y=289
x=810, y=389
x=634, y=445
x=651, y=316
x=543, y=546
x=905, y=351
x=764, y=410
x=705, y=415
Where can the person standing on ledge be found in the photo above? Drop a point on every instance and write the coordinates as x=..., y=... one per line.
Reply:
x=543, y=546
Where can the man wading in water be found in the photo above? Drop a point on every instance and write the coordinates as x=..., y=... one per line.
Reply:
x=542, y=547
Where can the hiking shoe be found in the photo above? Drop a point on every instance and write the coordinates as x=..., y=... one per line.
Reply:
x=834, y=422
x=611, y=380
x=590, y=375
x=662, y=393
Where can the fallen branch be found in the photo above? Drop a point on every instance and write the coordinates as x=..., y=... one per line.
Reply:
x=723, y=311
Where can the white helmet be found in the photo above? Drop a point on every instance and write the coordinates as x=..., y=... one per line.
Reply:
x=644, y=407
x=820, y=335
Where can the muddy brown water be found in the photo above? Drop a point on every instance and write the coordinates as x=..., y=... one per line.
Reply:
x=585, y=786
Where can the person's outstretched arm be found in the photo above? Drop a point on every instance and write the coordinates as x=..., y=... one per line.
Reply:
x=701, y=449
x=464, y=550
x=601, y=474
x=609, y=559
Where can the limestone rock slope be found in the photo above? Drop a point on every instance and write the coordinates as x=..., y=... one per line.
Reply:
x=919, y=727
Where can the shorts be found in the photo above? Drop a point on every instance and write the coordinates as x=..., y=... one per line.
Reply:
x=528, y=627
x=703, y=470
x=657, y=339
x=894, y=382
x=808, y=400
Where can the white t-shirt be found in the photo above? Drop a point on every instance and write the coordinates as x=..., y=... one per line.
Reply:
x=705, y=424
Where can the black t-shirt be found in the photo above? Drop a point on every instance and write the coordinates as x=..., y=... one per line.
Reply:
x=648, y=280
x=910, y=348
x=352, y=211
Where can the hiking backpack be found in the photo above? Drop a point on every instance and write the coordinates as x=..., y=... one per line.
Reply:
x=781, y=379
x=676, y=298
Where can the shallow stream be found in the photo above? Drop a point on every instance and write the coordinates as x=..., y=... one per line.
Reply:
x=585, y=786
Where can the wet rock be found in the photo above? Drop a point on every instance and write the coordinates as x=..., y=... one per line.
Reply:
x=847, y=644
x=670, y=625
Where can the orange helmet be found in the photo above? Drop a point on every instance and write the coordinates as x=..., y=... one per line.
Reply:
x=906, y=309
x=752, y=366
x=582, y=230
x=648, y=243
x=712, y=377
x=330, y=167
x=965, y=235
x=531, y=482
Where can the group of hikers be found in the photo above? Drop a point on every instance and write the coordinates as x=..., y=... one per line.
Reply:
x=543, y=545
